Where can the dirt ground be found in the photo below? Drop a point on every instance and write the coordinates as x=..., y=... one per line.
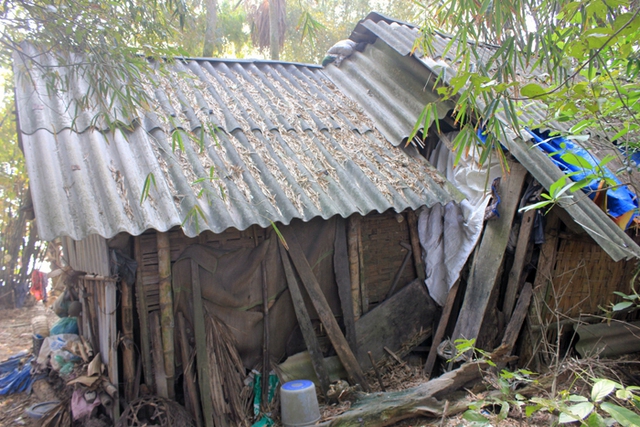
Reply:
x=15, y=336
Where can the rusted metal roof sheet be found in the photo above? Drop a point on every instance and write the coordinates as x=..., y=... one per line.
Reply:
x=392, y=86
x=281, y=142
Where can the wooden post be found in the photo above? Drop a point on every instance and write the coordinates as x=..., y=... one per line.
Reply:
x=202, y=355
x=487, y=262
x=343, y=280
x=354, y=264
x=310, y=282
x=128, y=347
x=519, y=261
x=166, y=309
x=412, y=223
x=266, y=368
x=364, y=295
x=187, y=369
x=519, y=314
x=308, y=333
x=143, y=316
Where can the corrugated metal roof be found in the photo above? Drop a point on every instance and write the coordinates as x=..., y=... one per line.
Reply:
x=288, y=144
x=393, y=86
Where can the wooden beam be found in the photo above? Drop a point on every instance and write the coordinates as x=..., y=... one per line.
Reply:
x=516, y=279
x=312, y=286
x=343, y=280
x=354, y=264
x=304, y=320
x=412, y=223
x=266, y=363
x=166, y=309
x=202, y=354
x=442, y=327
x=128, y=344
x=143, y=317
x=487, y=262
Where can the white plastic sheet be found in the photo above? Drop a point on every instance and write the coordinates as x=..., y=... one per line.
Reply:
x=449, y=233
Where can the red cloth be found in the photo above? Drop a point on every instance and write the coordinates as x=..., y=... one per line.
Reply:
x=39, y=281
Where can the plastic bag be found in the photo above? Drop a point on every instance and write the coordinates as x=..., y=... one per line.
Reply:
x=66, y=325
x=53, y=351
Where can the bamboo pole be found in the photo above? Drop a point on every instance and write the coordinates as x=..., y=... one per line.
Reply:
x=354, y=264
x=166, y=309
x=143, y=316
x=265, y=329
x=187, y=369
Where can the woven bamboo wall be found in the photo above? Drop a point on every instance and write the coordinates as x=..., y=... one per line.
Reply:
x=383, y=255
x=585, y=277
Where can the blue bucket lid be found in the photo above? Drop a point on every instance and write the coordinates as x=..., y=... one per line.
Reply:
x=296, y=385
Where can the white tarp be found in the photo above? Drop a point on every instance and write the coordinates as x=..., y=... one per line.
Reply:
x=449, y=233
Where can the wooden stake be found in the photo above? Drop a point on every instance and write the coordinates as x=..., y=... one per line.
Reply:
x=442, y=327
x=412, y=223
x=519, y=314
x=143, y=316
x=166, y=309
x=354, y=264
x=312, y=286
x=128, y=347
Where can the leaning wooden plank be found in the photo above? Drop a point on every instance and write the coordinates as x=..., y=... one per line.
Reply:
x=519, y=314
x=143, y=314
x=166, y=309
x=308, y=333
x=341, y=269
x=403, y=320
x=519, y=262
x=202, y=356
x=487, y=262
x=325, y=314
x=442, y=327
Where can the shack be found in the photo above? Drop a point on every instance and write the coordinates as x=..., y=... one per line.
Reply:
x=272, y=207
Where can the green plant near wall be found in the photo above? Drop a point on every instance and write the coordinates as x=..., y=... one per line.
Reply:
x=608, y=402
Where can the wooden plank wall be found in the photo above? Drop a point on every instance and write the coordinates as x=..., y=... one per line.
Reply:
x=383, y=255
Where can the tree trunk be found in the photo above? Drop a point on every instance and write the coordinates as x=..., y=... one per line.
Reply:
x=210, y=31
x=274, y=30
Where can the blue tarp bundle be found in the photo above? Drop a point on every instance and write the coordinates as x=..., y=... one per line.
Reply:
x=14, y=379
x=621, y=203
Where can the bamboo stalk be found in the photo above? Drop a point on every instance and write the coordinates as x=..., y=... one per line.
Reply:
x=143, y=316
x=166, y=309
x=354, y=265
x=187, y=368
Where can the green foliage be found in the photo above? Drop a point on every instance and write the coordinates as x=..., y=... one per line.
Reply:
x=579, y=58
